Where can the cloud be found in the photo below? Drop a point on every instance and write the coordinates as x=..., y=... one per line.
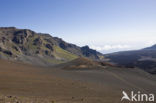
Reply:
x=150, y=43
x=110, y=47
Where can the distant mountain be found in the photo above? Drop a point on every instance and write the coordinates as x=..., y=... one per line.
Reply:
x=151, y=48
x=144, y=59
x=38, y=48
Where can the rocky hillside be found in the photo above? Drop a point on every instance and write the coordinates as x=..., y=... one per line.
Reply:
x=40, y=49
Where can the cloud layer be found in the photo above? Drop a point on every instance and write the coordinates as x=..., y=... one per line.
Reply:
x=110, y=47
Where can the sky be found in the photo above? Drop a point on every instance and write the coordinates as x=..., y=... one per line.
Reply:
x=105, y=25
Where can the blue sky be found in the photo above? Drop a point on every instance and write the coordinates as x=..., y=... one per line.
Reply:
x=105, y=25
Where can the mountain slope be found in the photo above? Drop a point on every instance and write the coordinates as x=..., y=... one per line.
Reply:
x=84, y=51
x=38, y=48
x=151, y=48
x=144, y=58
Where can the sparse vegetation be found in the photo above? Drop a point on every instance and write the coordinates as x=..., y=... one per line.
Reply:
x=65, y=55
